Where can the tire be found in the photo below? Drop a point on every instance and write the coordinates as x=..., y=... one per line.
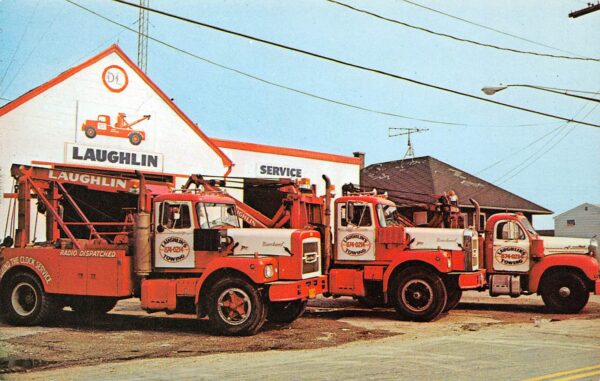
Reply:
x=90, y=132
x=418, y=294
x=235, y=307
x=564, y=292
x=453, y=292
x=285, y=312
x=92, y=305
x=24, y=300
x=135, y=138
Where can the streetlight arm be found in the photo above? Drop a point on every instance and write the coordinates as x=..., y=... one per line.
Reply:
x=491, y=90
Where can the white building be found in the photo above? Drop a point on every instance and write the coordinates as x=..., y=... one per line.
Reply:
x=70, y=121
x=582, y=221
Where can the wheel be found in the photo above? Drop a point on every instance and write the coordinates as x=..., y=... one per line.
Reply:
x=285, y=312
x=92, y=305
x=453, y=292
x=418, y=294
x=24, y=300
x=135, y=138
x=235, y=307
x=564, y=292
x=90, y=132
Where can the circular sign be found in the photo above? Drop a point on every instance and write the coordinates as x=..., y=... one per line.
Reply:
x=115, y=78
x=355, y=244
x=511, y=255
x=174, y=249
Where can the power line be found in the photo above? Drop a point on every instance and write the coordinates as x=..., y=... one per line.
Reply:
x=352, y=65
x=455, y=38
x=490, y=28
x=302, y=92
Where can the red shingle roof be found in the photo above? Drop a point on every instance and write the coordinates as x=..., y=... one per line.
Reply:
x=413, y=180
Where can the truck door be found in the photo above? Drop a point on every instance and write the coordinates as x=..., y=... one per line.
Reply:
x=355, y=238
x=510, y=247
x=174, y=235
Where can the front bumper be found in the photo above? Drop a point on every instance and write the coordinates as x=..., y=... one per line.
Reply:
x=284, y=291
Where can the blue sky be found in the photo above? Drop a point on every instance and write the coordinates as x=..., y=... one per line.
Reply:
x=546, y=161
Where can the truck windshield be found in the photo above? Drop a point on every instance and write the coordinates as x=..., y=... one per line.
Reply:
x=528, y=226
x=386, y=215
x=211, y=215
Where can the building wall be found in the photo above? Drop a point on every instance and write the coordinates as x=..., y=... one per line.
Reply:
x=582, y=221
x=255, y=165
x=48, y=128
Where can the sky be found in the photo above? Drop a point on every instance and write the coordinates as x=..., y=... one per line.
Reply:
x=549, y=162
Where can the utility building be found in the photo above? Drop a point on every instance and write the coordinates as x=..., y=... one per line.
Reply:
x=582, y=221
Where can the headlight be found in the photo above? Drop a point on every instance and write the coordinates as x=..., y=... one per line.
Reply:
x=269, y=271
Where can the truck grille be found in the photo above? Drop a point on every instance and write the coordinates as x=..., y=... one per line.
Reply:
x=310, y=257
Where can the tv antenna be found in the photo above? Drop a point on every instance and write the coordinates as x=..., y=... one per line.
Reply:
x=399, y=131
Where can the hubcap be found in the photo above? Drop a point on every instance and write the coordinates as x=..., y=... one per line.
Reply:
x=417, y=295
x=24, y=299
x=234, y=306
x=564, y=292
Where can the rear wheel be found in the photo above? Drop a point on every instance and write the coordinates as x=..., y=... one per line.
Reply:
x=235, y=307
x=90, y=132
x=24, y=300
x=453, y=292
x=418, y=294
x=135, y=138
x=564, y=292
x=286, y=312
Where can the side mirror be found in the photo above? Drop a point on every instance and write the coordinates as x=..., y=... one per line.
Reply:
x=349, y=211
x=537, y=248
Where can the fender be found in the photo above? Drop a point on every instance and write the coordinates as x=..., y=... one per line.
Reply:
x=25, y=261
x=437, y=259
x=252, y=267
x=587, y=264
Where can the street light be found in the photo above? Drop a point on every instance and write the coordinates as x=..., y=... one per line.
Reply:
x=491, y=90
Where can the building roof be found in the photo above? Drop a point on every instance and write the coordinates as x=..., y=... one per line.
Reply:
x=565, y=213
x=415, y=180
x=262, y=148
x=116, y=50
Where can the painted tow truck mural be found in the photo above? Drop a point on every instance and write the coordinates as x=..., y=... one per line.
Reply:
x=121, y=129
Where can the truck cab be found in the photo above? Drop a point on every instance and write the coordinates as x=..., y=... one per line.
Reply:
x=520, y=261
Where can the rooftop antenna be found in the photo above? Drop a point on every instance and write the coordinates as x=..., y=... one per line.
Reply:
x=399, y=131
x=142, y=56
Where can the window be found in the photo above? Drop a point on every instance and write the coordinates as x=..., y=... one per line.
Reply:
x=570, y=222
x=175, y=215
x=356, y=214
x=213, y=215
x=509, y=231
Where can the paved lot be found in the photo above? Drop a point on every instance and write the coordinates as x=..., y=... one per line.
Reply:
x=483, y=338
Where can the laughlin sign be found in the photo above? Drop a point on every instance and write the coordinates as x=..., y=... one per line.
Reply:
x=112, y=157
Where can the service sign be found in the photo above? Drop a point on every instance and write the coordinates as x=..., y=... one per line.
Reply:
x=511, y=258
x=97, y=156
x=274, y=170
x=174, y=251
x=356, y=245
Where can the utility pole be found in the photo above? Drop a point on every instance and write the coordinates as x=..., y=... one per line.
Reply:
x=410, y=152
x=142, y=57
x=590, y=8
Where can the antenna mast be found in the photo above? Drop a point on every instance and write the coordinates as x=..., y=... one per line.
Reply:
x=142, y=57
x=398, y=131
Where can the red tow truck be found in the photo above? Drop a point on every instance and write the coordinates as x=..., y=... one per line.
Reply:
x=179, y=251
x=121, y=129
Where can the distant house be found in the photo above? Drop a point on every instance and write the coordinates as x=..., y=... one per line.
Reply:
x=582, y=221
x=413, y=182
